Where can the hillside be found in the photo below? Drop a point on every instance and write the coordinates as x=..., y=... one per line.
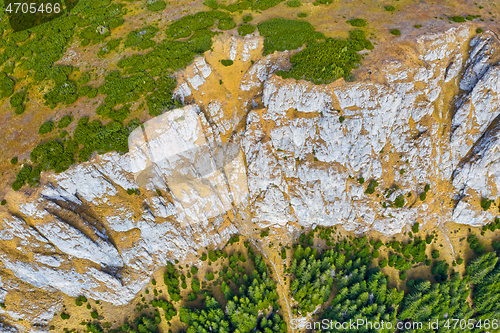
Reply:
x=142, y=136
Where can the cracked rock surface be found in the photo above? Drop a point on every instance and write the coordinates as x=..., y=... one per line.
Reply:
x=308, y=154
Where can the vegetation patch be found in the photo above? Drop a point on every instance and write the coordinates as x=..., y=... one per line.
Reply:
x=293, y=3
x=357, y=22
x=247, y=18
x=246, y=29
x=141, y=38
x=282, y=34
x=325, y=62
x=457, y=19
x=156, y=5
x=46, y=127
x=16, y=101
x=371, y=187
x=226, y=62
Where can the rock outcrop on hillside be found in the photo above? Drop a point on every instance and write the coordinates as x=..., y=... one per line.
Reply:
x=310, y=153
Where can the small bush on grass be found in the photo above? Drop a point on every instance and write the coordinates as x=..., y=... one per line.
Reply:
x=46, y=127
x=64, y=122
x=156, y=6
x=458, y=19
x=246, y=29
x=371, y=187
x=293, y=3
x=357, y=22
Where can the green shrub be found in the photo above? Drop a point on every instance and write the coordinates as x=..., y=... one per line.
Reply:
x=246, y=29
x=247, y=18
x=94, y=314
x=281, y=34
x=65, y=92
x=210, y=276
x=46, y=127
x=415, y=227
x=162, y=100
x=226, y=24
x=3, y=202
x=307, y=64
x=325, y=62
x=13, y=161
x=458, y=19
x=212, y=256
x=16, y=101
x=80, y=300
x=211, y=3
x=58, y=156
x=110, y=46
x=156, y=6
x=265, y=4
x=131, y=191
x=440, y=270
x=64, y=121
x=302, y=15
x=435, y=254
x=396, y=32
x=186, y=25
x=264, y=233
x=203, y=257
x=121, y=89
x=418, y=26
x=6, y=85
x=194, y=270
x=474, y=244
x=371, y=187
x=486, y=203
x=20, y=109
x=119, y=114
x=357, y=22
x=399, y=201
x=383, y=263
x=65, y=316
x=141, y=38
x=195, y=285
x=102, y=139
x=322, y=2
x=479, y=30
x=390, y=8
x=293, y=3
x=169, y=56
x=226, y=62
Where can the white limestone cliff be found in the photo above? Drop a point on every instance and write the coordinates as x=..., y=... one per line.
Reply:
x=431, y=120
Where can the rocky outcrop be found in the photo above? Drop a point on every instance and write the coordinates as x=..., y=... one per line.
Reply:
x=309, y=145
x=307, y=156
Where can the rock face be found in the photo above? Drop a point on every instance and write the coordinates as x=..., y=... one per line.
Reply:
x=307, y=156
